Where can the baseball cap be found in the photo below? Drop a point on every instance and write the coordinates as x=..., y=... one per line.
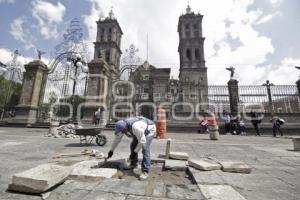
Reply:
x=120, y=126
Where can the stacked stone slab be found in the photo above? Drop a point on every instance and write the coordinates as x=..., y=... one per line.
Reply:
x=176, y=165
x=204, y=165
x=179, y=155
x=236, y=167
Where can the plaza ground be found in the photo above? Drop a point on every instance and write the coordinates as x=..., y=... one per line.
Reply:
x=275, y=167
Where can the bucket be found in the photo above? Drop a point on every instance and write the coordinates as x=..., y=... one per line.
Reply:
x=53, y=127
x=296, y=142
x=214, y=132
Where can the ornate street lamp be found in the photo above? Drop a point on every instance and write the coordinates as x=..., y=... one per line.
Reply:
x=77, y=63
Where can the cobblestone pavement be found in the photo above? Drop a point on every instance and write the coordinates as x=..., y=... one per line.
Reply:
x=275, y=167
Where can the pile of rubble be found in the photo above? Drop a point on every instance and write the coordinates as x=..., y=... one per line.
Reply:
x=63, y=131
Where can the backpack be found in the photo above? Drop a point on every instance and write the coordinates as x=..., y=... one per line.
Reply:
x=281, y=121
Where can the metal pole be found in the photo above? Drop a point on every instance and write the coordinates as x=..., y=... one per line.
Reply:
x=73, y=92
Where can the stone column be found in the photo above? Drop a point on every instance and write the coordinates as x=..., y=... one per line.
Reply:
x=233, y=90
x=298, y=87
x=33, y=85
x=96, y=88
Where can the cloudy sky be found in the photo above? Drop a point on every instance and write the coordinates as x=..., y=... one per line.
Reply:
x=260, y=38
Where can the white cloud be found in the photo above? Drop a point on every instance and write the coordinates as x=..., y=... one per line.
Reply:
x=276, y=3
x=20, y=33
x=267, y=18
x=229, y=20
x=48, y=16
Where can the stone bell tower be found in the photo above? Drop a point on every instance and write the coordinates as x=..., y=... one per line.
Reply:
x=192, y=72
x=104, y=68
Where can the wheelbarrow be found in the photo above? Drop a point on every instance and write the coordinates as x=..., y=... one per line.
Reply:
x=88, y=135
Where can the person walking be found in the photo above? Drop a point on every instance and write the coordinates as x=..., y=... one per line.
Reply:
x=96, y=117
x=99, y=118
x=203, y=125
x=255, y=122
x=241, y=127
x=142, y=131
x=226, y=119
x=277, y=122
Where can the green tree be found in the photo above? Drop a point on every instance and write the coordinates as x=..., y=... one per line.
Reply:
x=10, y=92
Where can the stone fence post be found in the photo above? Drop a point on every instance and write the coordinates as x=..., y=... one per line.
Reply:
x=298, y=87
x=233, y=90
x=32, y=89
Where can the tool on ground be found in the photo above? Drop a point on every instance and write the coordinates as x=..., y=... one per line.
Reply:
x=94, y=153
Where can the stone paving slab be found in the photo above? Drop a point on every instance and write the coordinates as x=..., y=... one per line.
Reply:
x=39, y=179
x=176, y=165
x=68, y=195
x=88, y=170
x=121, y=186
x=72, y=190
x=204, y=165
x=131, y=197
x=207, y=177
x=178, y=155
x=100, y=195
x=159, y=190
x=236, y=167
x=184, y=192
x=220, y=192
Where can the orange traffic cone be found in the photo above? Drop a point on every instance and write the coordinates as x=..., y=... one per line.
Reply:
x=161, y=124
x=214, y=128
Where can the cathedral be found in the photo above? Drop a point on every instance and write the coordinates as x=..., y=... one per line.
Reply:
x=153, y=85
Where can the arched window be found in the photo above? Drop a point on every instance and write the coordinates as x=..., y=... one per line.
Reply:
x=197, y=54
x=107, y=56
x=188, y=54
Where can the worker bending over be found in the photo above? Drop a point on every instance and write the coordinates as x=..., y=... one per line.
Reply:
x=142, y=131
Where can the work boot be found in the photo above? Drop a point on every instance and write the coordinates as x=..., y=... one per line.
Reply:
x=143, y=176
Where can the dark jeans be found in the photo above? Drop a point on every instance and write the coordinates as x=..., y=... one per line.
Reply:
x=276, y=129
x=241, y=129
x=255, y=125
x=227, y=127
x=146, y=162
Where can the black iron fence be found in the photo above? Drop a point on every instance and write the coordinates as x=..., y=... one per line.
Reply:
x=279, y=99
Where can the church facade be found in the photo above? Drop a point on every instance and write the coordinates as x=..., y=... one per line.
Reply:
x=153, y=86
